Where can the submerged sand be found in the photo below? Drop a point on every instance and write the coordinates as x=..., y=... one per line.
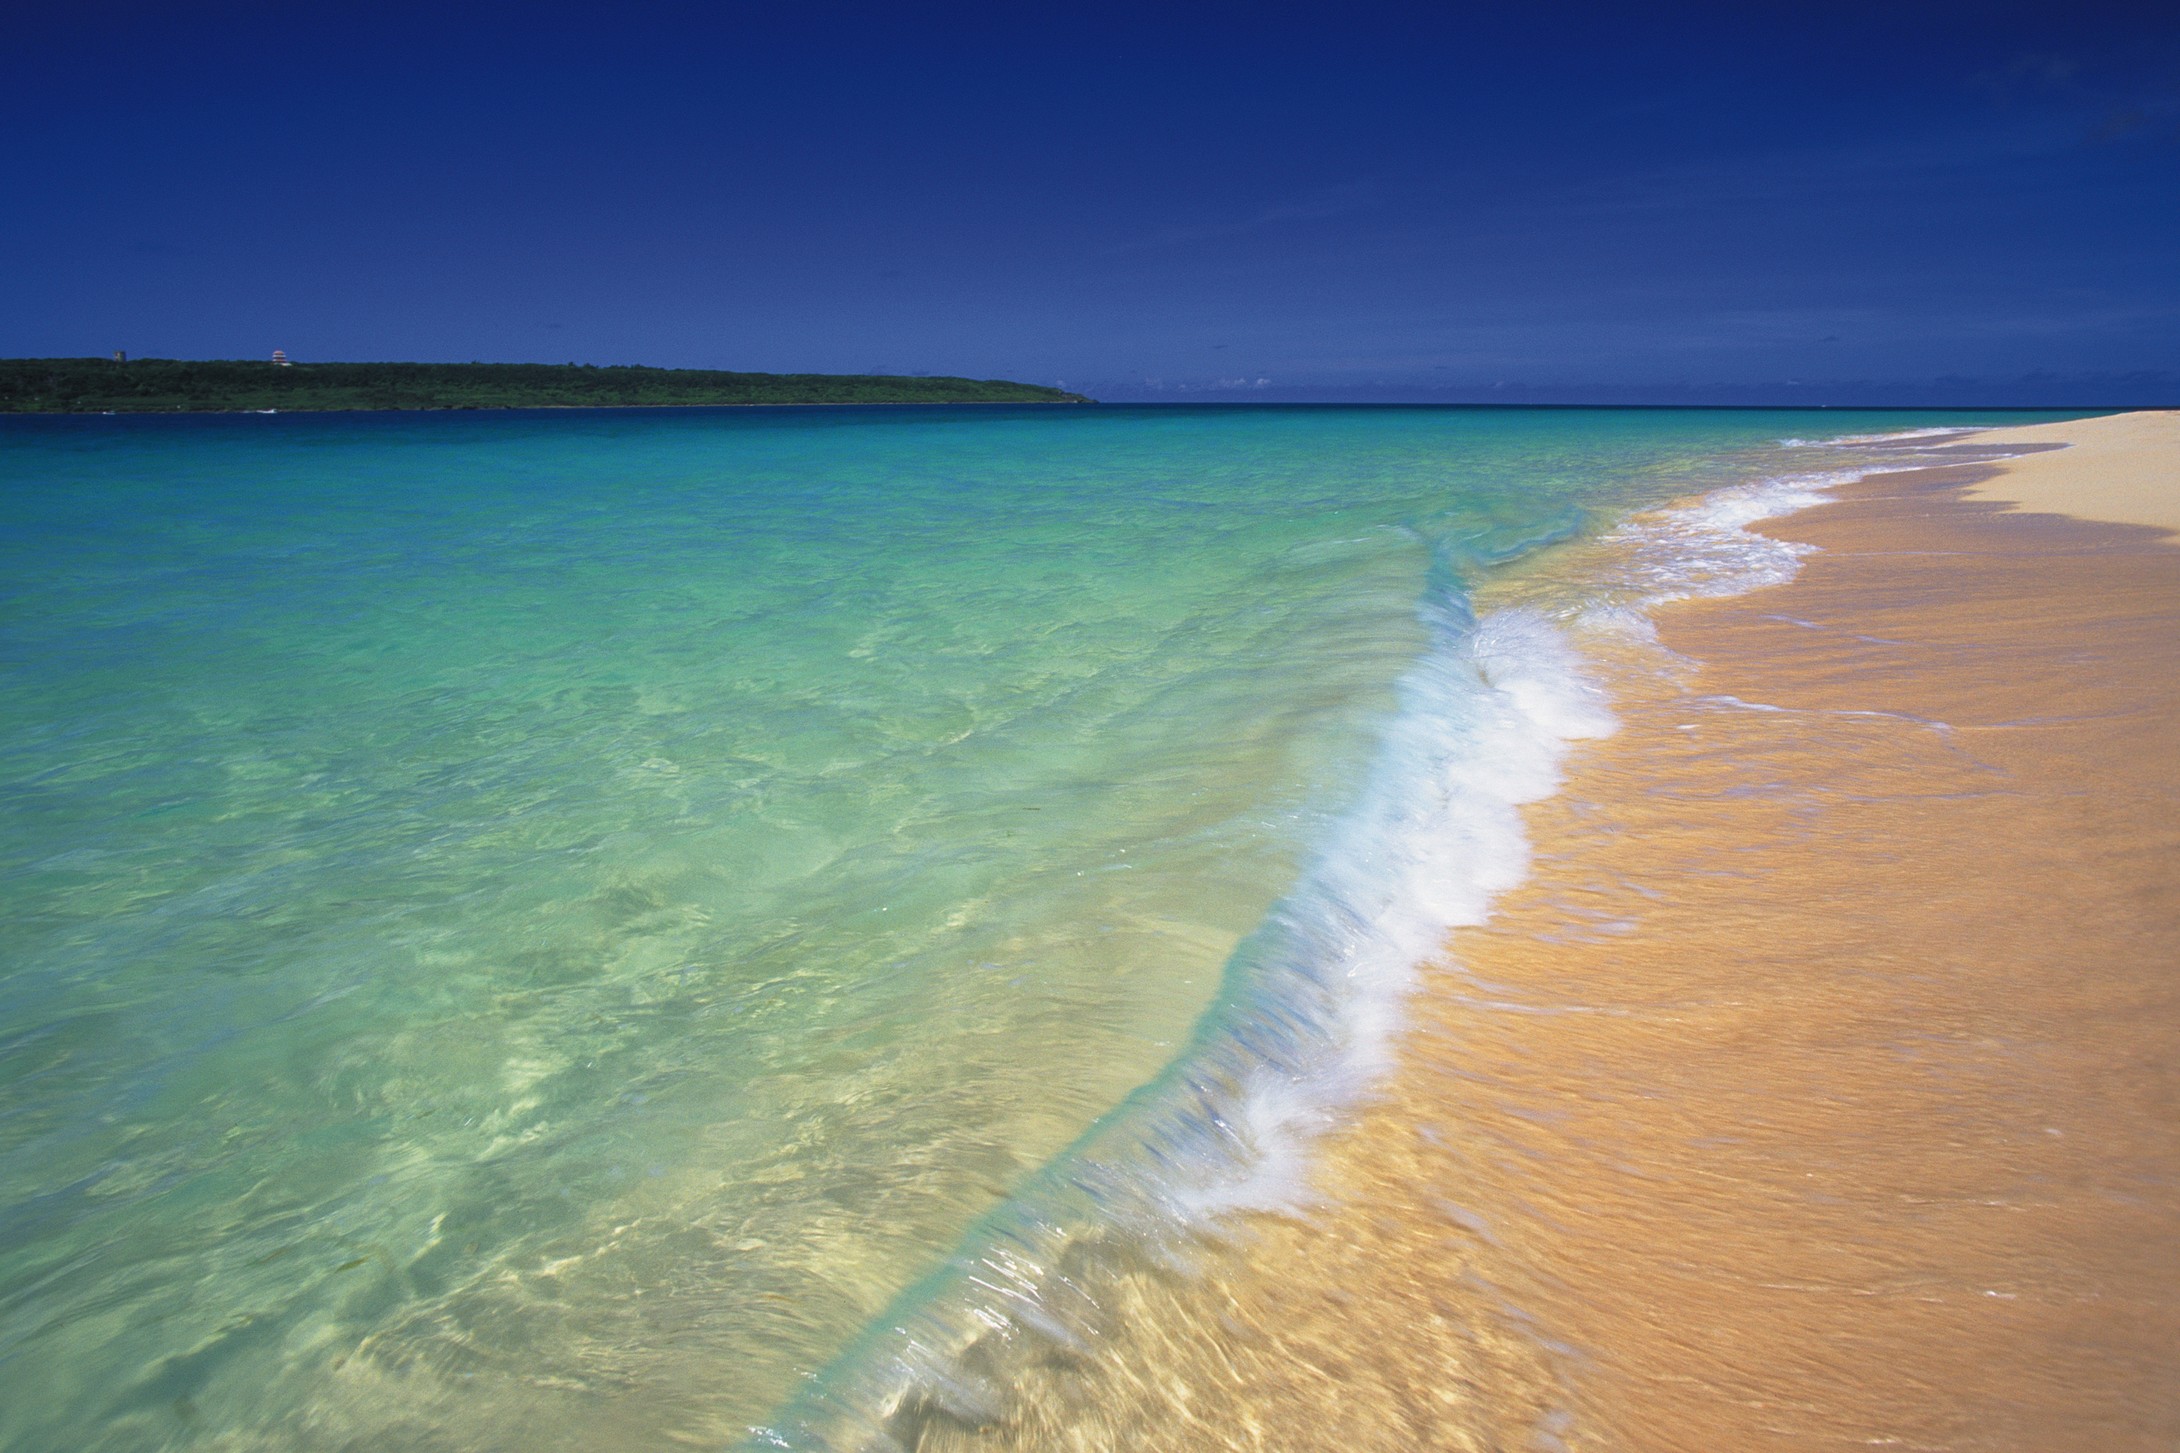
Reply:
x=1821, y=1089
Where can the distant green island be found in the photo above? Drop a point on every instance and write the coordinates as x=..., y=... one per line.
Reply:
x=167, y=385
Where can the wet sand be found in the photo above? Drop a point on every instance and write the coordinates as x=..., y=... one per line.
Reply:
x=1820, y=1090
x=1841, y=1048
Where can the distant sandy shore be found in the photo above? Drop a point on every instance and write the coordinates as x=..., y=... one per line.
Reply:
x=2123, y=469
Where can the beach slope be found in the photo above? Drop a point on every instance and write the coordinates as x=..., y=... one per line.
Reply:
x=1820, y=1089
x=2122, y=469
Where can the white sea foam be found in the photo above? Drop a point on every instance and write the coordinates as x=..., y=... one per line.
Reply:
x=1485, y=720
x=1705, y=548
x=1896, y=436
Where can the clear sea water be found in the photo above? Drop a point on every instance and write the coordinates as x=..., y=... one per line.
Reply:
x=583, y=930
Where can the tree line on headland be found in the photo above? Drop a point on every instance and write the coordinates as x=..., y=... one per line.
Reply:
x=166, y=385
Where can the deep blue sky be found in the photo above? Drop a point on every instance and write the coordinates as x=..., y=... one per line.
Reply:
x=1143, y=201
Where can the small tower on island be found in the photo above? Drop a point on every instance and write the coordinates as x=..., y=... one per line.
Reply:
x=280, y=358
x=121, y=355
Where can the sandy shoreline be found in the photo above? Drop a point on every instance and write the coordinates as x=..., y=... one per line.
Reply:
x=1820, y=1089
x=1846, y=1074
x=1866, y=1108
x=2121, y=469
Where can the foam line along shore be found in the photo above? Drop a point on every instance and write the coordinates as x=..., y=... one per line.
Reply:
x=1816, y=1088
x=1853, y=1122
x=1163, y=1275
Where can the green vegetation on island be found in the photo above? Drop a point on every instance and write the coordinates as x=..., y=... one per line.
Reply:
x=165, y=385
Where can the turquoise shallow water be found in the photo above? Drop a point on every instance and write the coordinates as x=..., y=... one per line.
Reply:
x=535, y=930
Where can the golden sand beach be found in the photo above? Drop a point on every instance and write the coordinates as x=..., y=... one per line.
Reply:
x=1839, y=1043
x=2121, y=469
x=1821, y=1089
